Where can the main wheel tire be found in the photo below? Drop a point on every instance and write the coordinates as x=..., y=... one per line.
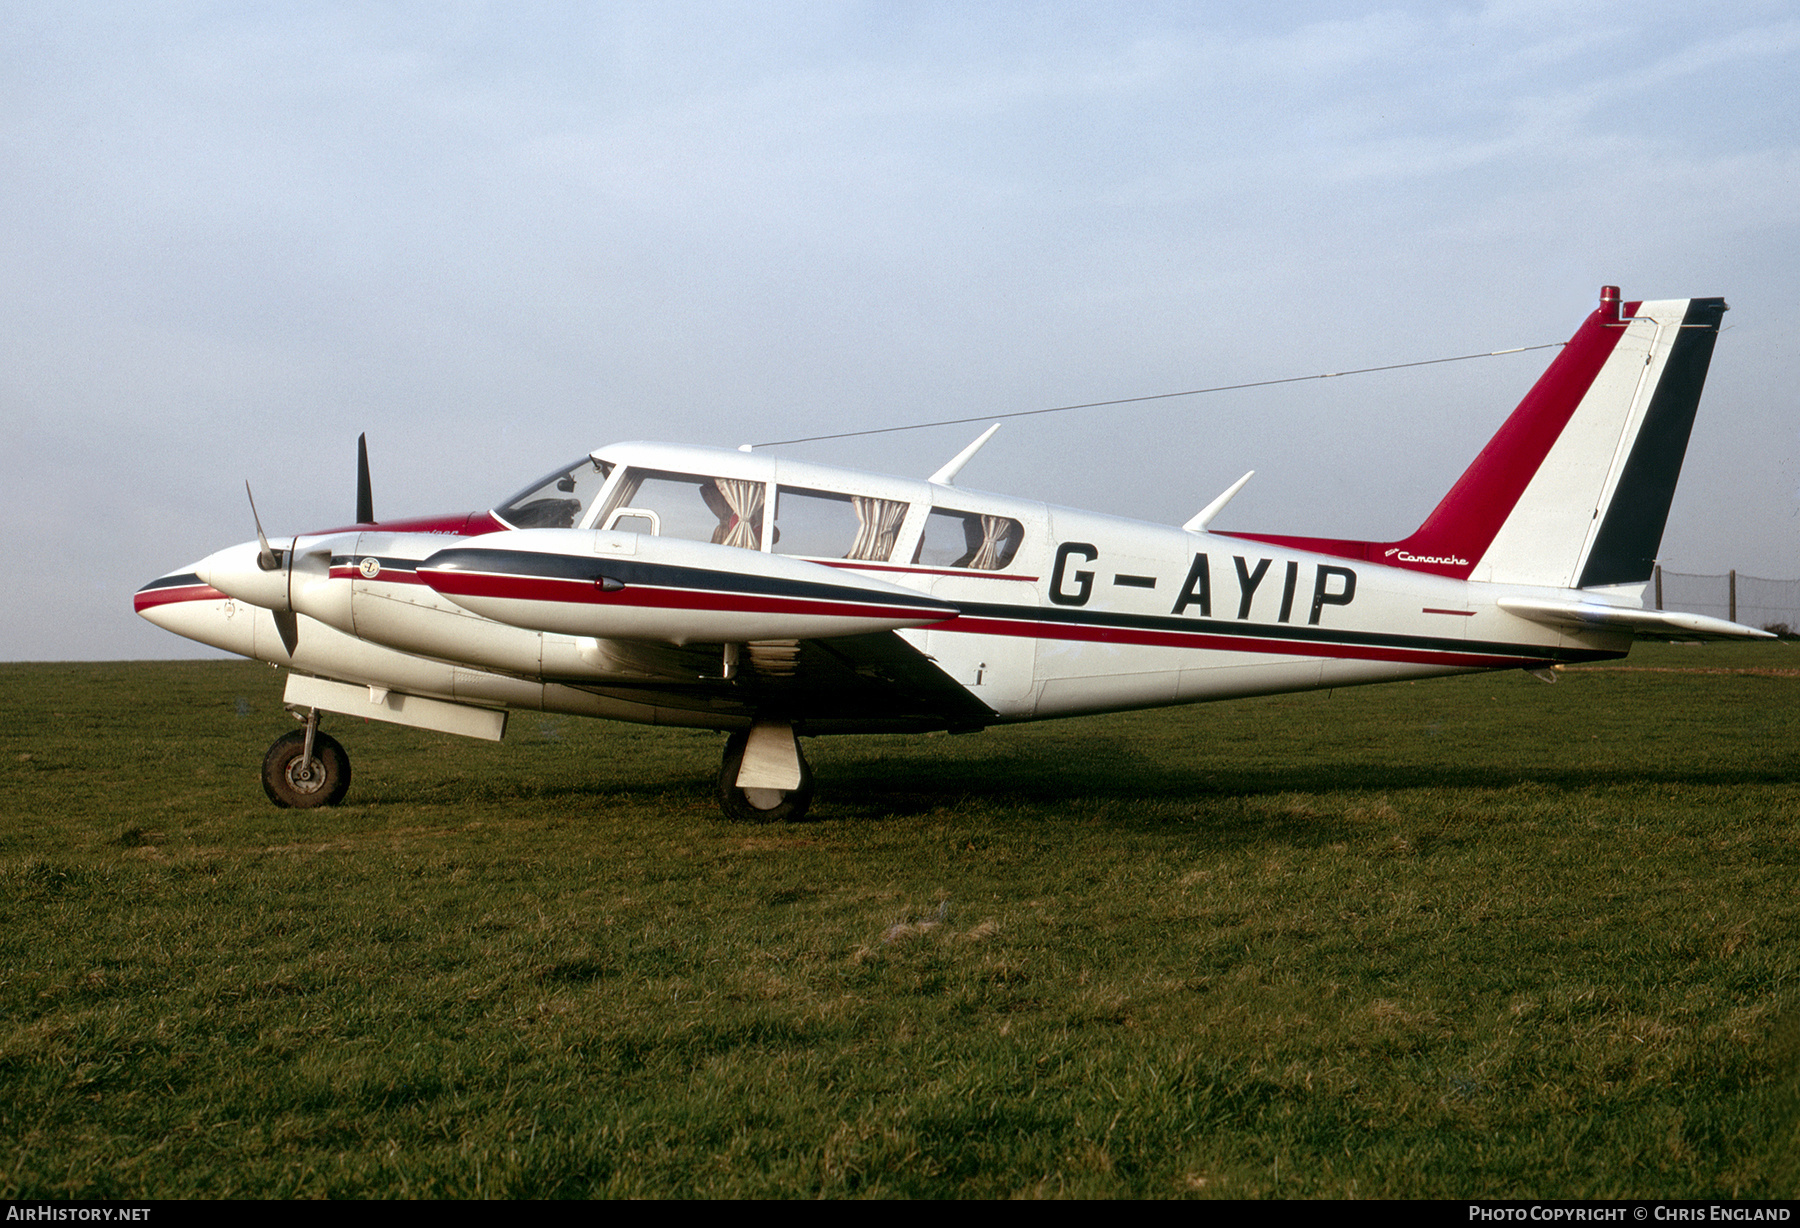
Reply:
x=760, y=805
x=288, y=785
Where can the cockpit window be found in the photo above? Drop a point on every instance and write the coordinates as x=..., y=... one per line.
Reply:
x=723, y=511
x=558, y=500
x=968, y=539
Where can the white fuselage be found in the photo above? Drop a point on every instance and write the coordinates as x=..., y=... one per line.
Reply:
x=631, y=613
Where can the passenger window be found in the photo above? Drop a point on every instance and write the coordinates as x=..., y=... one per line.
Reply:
x=968, y=539
x=821, y=524
x=724, y=511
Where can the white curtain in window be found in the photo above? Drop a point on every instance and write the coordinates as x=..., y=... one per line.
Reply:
x=878, y=523
x=993, y=536
x=746, y=500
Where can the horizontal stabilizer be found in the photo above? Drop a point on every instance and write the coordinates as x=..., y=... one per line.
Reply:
x=1645, y=624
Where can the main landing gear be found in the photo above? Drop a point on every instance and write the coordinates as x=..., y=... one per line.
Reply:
x=763, y=779
x=306, y=768
x=776, y=786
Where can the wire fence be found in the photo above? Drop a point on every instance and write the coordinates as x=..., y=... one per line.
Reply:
x=1773, y=605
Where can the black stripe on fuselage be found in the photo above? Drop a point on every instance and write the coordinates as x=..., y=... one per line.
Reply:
x=1234, y=629
x=662, y=575
x=186, y=579
x=568, y=567
x=1624, y=550
x=387, y=564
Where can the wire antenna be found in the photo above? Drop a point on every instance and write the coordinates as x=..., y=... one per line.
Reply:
x=1159, y=396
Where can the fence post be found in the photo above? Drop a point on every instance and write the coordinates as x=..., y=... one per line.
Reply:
x=1659, y=586
x=1733, y=595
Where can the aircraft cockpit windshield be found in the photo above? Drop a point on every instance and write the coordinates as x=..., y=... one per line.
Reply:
x=556, y=501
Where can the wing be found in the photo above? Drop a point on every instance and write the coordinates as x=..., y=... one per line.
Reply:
x=874, y=683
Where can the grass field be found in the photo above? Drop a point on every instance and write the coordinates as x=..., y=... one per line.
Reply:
x=1476, y=937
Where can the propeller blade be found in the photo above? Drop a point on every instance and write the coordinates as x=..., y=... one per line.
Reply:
x=288, y=624
x=268, y=560
x=365, y=496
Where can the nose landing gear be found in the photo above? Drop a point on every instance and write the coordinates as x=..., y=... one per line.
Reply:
x=305, y=769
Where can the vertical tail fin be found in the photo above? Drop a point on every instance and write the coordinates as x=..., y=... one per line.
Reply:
x=1635, y=507
x=1573, y=491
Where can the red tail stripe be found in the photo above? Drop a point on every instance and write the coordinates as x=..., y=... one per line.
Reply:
x=1464, y=523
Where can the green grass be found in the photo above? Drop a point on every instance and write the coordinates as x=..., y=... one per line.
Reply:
x=1475, y=937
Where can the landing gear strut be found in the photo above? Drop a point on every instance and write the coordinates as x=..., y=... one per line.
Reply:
x=306, y=768
x=762, y=804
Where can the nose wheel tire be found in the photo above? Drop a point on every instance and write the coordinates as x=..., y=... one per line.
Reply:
x=760, y=805
x=321, y=781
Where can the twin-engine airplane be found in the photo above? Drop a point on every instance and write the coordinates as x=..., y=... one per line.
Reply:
x=769, y=599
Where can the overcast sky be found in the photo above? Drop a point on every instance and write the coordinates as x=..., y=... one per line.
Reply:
x=497, y=236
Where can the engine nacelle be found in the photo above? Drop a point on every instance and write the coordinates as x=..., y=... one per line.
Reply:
x=637, y=586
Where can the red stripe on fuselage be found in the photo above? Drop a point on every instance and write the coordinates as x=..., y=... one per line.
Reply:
x=146, y=599
x=1229, y=643
x=965, y=572
x=643, y=596
x=457, y=524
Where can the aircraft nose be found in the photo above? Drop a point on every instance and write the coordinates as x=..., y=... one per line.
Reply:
x=237, y=571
